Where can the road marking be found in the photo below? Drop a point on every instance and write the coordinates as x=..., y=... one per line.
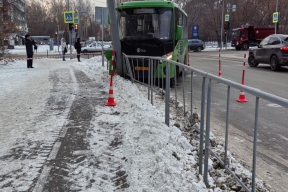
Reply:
x=189, y=75
x=285, y=138
x=273, y=105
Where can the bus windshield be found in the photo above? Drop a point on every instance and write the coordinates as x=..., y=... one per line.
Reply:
x=145, y=23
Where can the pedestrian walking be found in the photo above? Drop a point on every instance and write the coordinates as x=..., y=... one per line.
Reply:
x=77, y=46
x=64, y=48
x=29, y=51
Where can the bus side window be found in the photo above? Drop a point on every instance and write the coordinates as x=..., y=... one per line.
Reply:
x=184, y=21
x=176, y=17
x=180, y=21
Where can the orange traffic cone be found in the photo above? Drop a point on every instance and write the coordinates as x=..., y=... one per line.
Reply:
x=242, y=97
x=110, y=101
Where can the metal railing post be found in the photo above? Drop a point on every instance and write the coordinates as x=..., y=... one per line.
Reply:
x=175, y=81
x=191, y=97
x=152, y=79
x=138, y=77
x=149, y=76
x=202, y=126
x=255, y=145
x=227, y=124
x=167, y=94
x=183, y=79
x=207, y=135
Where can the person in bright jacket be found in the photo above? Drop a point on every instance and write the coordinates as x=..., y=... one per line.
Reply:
x=29, y=51
x=77, y=46
x=63, y=46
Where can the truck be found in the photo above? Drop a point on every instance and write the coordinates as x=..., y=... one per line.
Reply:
x=248, y=35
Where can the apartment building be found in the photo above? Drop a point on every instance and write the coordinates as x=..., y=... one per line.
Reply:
x=13, y=22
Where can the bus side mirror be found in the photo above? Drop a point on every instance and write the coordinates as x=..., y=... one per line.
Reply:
x=179, y=32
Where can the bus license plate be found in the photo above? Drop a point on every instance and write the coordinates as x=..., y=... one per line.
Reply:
x=141, y=68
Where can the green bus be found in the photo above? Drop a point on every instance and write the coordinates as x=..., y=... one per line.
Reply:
x=154, y=28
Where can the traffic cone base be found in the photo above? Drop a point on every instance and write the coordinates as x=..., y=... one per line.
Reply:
x=242, y=98
x=220, y=74
x=110, y=102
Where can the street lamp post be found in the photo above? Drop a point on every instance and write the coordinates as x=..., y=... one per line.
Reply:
x=70, y=35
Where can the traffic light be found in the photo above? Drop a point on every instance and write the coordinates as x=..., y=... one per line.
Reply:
x=76, y=28
x=71, y=26
x=225, y=25
x=55, y=33
x=228, y=25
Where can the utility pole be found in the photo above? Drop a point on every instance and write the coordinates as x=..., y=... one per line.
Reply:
x=221, y=31
x=69, y=32
x=102, y=19
x=58, y=37
x=115, y=37
x=278, y=17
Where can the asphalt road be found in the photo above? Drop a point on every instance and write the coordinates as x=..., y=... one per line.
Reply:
x=273, y=119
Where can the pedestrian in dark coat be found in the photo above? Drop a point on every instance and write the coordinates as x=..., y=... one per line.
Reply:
x=29, y=51
x=77, y=46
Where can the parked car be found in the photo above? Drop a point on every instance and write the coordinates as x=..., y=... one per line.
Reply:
x=272, y=50
x=93, y=47
x=195, y=45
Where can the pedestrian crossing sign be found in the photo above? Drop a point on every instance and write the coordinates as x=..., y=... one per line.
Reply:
x=227, y=17
x=69, y=17
x=275, y=17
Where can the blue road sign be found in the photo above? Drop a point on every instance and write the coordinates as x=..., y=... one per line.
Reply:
x=76, y=21
x=69, y=17
x=195, y=34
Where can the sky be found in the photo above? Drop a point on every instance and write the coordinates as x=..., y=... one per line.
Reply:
x=99, y=3
x=157, y=157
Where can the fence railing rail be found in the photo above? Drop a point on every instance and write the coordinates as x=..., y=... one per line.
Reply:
x=143, y=69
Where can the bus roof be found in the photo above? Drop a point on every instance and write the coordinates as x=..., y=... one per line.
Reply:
x=149, y=3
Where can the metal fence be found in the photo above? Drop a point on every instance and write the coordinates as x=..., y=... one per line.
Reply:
x=147, y=77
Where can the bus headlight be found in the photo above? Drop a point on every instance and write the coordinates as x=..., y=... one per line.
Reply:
x=167, y=56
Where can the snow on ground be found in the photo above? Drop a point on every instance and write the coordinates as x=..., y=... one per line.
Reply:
x=157, y=157
x=21, y=50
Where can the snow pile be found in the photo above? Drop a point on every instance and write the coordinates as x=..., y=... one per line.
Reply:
x=161, y=158
x=157, y=157
x=219, y=178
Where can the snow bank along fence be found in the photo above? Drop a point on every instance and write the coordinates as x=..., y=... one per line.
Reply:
x=131, y=63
